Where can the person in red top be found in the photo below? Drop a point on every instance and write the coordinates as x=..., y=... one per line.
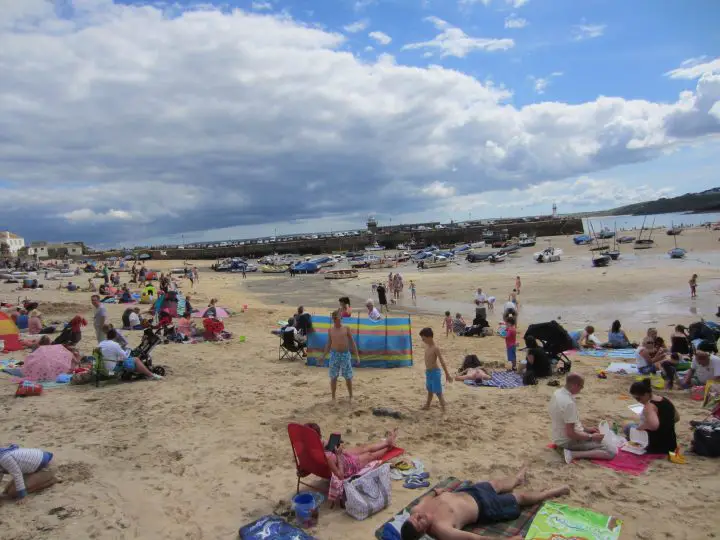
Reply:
x=511, y=340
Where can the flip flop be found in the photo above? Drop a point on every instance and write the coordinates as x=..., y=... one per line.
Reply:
x=415, y=483
x=420, y=476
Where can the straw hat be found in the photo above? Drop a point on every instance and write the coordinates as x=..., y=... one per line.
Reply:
x=35, y=313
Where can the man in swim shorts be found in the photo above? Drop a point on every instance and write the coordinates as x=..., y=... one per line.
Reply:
x=339, y=343
x=443, y=514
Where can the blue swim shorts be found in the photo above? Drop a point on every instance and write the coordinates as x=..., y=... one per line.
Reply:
x=492, y=506
x=433, y=381
x=341, y=364
x=47, y=458
x=511, y=353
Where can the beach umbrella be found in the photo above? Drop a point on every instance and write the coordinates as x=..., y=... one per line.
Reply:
x=220, y=313
x=47, y=362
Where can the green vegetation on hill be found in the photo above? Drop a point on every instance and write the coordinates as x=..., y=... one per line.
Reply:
x=697, y=203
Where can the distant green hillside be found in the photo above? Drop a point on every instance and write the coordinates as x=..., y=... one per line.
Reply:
x=697, y=203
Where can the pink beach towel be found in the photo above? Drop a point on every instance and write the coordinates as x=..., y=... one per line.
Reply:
x=624, y=462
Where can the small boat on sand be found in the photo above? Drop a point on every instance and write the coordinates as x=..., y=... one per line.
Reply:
x=497, y=257
x=341, y=274
x=267, y=269
x=548, y=255
x=601, y=261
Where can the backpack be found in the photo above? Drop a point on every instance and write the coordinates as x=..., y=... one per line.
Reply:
x=706, y=439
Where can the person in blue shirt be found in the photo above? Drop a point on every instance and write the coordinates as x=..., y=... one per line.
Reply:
x=22, y=320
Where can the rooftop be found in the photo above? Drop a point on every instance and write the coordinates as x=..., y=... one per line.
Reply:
x=8, y=234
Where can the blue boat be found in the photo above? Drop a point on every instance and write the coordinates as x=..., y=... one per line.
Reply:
x=582, y=239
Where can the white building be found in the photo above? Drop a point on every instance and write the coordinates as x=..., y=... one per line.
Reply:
x=12, y=240
x=44, y=250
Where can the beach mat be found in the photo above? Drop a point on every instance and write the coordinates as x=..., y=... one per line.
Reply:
x=500, y=379
x=555, y=520
x=608, y=353
x=629, y=463
x=622, y=368
x=273, y=527
x=516, y=527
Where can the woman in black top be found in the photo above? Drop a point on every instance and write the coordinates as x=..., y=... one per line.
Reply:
x=538, y=361
x=658, y=418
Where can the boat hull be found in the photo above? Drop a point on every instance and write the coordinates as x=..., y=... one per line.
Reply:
x=341, y=274
x=600, y=262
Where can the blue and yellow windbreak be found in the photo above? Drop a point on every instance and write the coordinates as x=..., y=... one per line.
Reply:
x=386, y=343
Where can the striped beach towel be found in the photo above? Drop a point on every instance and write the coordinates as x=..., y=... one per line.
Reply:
x=608, y=353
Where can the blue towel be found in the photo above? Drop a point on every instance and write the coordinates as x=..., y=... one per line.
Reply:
x=272, y=527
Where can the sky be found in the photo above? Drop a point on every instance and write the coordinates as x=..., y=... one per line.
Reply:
x=134, y=122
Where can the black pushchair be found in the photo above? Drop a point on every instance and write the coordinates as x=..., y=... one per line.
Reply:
x=555, y=341
x=704, y=336
x=150, y=340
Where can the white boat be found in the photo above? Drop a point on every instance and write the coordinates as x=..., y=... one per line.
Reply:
x=527, y=242
x=549, y=254
x=402, y=247
x=341, y=274
x=375, y=247
x=480, y=244
x=497, y=257
x=436, y=261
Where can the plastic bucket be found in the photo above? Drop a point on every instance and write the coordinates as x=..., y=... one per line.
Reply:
x=305, y=507
x=241, y=339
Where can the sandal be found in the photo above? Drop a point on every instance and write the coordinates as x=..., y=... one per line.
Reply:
x=414, y=482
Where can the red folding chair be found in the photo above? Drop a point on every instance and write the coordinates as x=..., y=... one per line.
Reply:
x=309, y=453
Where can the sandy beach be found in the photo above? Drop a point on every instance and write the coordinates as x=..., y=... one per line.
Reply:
x=205, y=451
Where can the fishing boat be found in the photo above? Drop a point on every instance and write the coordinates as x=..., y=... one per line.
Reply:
x=267, y=269
x=375, y=247
x=510, y=248
x=497, y=257
x=479, y=257
x=600, y=247
x=480, y=244
x=435, y=261
x=527, y=241
x=613, y=253
x=626, y=240
x=548, y=255
x=673, y=231
x=341, y=274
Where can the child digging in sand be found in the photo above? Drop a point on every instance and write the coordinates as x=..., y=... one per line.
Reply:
x=433, y=374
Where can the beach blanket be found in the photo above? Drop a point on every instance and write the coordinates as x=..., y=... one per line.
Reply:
x=556, y=520
x=629, y=463
x=622, y=368
x=608, y=353
x=272, y=527
x=386, y=343
x=516, y=527
x=500, y=379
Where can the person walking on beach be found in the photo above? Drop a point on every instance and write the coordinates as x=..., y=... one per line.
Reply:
x=433, y=374
x=339, y=343
x=100, y=319
x=447, y=324
x=413, y=293
x=693, y=286
x=382, y=298
x=518, y=284
x=195, y=274
x=511, y=341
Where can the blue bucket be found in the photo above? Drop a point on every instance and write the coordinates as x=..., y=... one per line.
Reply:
x=305, y=507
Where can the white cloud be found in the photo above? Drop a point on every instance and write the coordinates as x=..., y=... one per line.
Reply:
x=261, y=6
x=381, y=37
x=357, y=26
x=541, y=83
x=361, y=5
x=369, y=48
x=587, y=31
x=438, y=190
x=511, y=3
x=205, y=119
x=512, y=21
x=452, y=41
x=694, y=68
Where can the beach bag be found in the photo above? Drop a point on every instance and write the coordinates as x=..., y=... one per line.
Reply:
x=28, y=388
x=706, y=440
x=611, y=438
x=368, y=494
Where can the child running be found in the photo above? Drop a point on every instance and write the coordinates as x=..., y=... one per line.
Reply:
x=511, y=340
x=433, y=374
x=693, y=286
x=339, y=343
x=447, y=324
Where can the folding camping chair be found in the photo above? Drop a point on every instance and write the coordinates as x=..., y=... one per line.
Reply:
x=290, y=348
x=309, y=454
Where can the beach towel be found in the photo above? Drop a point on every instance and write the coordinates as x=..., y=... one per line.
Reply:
x=555, y=520
x=517, y=527
x=272, y=527
x=500, y=379
x=608, y=353
x=624, y=462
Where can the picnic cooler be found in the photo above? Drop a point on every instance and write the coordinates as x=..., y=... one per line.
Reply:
x=368, y=494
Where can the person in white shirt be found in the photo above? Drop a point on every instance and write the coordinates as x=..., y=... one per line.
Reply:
x=373, y=313
x=134, y=318
x=480, y=297
x=114, y=356
x=568, y=433
x=704, y=367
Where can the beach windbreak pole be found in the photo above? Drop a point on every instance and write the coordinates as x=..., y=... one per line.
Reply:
x=386, y=343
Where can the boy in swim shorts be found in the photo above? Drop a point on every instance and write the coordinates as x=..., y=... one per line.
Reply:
x=339, y=343
x=433, y=374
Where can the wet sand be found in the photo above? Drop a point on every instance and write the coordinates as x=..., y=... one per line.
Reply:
x=205, y=451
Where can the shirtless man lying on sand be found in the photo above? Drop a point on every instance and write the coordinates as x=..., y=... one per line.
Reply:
x=443, y=514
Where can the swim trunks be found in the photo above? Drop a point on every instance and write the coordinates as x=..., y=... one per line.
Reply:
x=493, y=507
x=433, y=381
x=511, y=353
x=341, y=364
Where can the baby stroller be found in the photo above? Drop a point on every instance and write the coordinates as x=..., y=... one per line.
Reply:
x=704, y=336
x=149, y=341
x=555, y=341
